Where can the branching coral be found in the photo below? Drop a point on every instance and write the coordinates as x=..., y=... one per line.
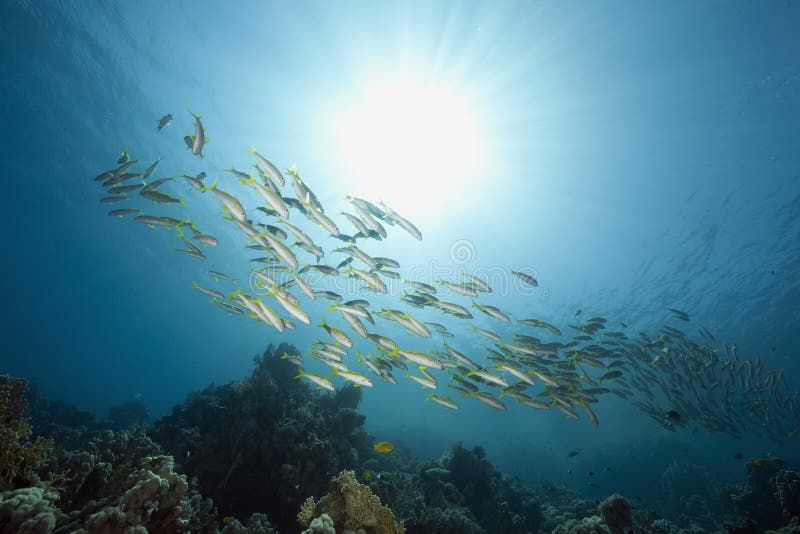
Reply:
x=306, y=513
x=18, y=455
x=352, y=506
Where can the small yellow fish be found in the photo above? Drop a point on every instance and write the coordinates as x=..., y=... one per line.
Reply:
x=367, y=476
x=227, y=519
x=383, y=447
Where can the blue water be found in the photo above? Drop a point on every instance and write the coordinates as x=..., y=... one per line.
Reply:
x=634, y=156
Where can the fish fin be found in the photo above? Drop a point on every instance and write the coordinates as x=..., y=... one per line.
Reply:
x=193, y=114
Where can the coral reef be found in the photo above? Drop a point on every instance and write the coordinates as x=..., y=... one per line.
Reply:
x=614, y=518
x=559, y=505
x=688, y=490
x=769, y=501
x=150, y=497
x=320, y=525
x=124, y=481
x=352, y=506
x=19, y=456
x=460, y=493
x=265, y=443
x=64, y=424
x=616, y=513
x=587, y=525
x=256, y=451
x=27, y=510
x=255, y=524
x=787, y=486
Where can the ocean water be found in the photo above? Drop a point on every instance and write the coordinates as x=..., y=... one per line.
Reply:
x=632, y=157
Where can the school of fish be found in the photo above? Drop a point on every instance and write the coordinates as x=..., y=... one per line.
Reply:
x=674, y=377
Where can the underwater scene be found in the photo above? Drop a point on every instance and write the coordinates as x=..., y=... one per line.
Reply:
x=400, y=267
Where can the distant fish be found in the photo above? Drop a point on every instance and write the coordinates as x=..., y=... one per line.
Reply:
x=296, y=359
x=197, y=141
x=124, y=189
x=705, y=333
x=320, y=381
x=123, y=158
x=206, y=239
x=220, y=276
x=682, y=315
x=573, y=454
x=442, y=400
x=122, y=212
x=356, y=378
x=229, y=308
x=405, y=224
x=672, y=419
x=164, y=121
x=577, y=312
x=146, y=174
x=152, y=221
x=383, y=447
x=210, y=292
x=271, y=169
x=528, y=279
x=345, y=262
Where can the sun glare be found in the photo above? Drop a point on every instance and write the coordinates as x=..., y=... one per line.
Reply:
x=411, y=145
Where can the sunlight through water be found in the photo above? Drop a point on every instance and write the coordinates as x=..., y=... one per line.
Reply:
x=411, y=144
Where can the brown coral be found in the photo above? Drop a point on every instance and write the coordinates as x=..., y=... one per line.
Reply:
x=18, y=455
x=352, y=506
x=306, y=513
